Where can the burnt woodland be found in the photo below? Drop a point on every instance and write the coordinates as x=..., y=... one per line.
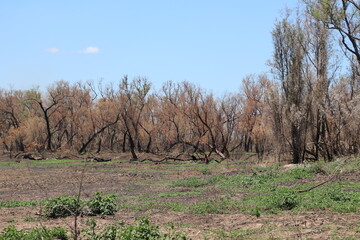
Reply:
x=307, y=107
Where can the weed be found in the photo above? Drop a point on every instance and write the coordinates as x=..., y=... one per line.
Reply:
x=143, y=230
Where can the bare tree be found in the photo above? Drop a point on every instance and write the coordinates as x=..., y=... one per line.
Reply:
x=317, y=48
x=99, y=115
x=133, y=99
x=12, y=116
x=288, y=63
x=48, y=107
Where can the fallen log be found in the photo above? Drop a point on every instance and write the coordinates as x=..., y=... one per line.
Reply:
x=31, y=156
x=97, y=159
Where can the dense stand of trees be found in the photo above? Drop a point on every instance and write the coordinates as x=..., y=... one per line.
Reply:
x=306, y=108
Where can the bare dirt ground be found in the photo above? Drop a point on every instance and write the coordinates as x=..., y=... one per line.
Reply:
x=34, y=181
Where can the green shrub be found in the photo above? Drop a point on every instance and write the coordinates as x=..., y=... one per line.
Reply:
x=102, y=204
x=62, y=206
x=42, y=233
x=143, y=230
x=256, y=211
x=285, y=199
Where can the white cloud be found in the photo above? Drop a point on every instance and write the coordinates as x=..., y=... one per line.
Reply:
x=53, y=50
x=91, y=50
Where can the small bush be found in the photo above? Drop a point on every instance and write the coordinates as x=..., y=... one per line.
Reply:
x=102, y=204
x=285, y=199
x=43, y=233
x=62, y=206
x=256, y=211
x=143, y=230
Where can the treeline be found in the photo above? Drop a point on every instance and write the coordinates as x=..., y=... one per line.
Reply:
x=306, y=108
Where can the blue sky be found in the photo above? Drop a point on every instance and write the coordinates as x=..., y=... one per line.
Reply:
x=211, y=43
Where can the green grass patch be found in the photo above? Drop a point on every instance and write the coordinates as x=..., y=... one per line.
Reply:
x=267, y=190
x=175, y=206
x=195, y=182
x=256, y=182
x=331, y=197
x=44, y=233
x=19, y=204
x=31, y=219
x=54, y=161
x=177, y=194
x=13, y=164
x=219, y=205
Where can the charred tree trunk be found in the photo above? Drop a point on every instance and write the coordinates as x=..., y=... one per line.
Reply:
x=124, y=142
x=296, y=145
x=132, y=147
x=99, y=146
x=148, y=146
